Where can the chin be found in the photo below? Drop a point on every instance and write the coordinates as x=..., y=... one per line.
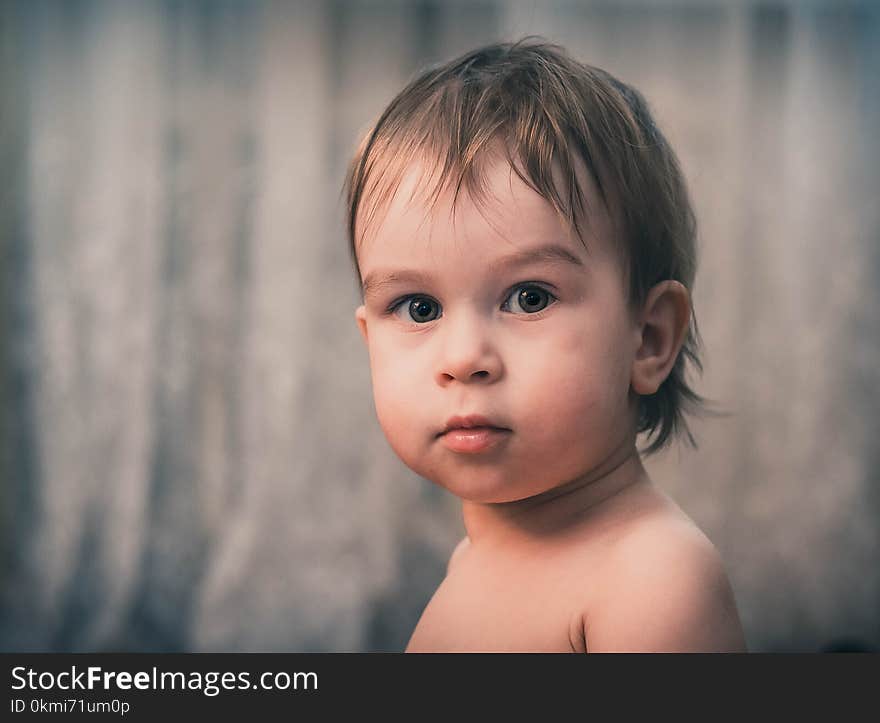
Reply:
x=477, y=488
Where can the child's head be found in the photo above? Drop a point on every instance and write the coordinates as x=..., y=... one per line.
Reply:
x=525, y=243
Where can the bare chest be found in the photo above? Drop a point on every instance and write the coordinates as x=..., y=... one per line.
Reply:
x=479, y=612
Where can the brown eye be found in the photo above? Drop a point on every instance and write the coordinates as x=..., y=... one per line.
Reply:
x=528, y=299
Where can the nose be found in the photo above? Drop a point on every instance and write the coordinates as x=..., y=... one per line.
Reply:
x=467, y=353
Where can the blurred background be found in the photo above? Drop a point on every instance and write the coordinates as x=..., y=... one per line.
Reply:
x=189, y=454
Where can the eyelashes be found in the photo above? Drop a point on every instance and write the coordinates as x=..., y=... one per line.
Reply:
x=523, y=299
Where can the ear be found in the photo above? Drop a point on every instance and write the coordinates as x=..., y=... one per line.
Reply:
x=663, y=325
x=360, y=316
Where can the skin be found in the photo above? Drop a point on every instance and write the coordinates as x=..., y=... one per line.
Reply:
x=569, y=545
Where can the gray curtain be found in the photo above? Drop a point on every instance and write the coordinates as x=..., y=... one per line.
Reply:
x=189, y=454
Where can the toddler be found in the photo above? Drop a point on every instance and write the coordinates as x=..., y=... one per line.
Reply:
x=525, y=246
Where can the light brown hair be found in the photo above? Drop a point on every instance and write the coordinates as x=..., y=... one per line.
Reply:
x=549, y=112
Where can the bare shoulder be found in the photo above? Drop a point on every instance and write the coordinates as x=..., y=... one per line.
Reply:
x=664, y=588
x=459, y=550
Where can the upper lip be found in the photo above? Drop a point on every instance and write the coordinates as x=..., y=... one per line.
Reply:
x=468, y=422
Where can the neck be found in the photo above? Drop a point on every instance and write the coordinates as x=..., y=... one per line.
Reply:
x=561, y=508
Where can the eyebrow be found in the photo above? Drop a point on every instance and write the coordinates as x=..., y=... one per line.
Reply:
x=377, y=280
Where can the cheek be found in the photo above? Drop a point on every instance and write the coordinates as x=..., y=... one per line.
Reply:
x=398, y=406
x=577, y=389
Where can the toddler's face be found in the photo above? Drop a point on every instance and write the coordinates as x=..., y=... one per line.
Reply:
x=504, y=316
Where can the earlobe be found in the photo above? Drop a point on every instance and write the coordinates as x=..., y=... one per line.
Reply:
x=664, y=324
x=360, y=315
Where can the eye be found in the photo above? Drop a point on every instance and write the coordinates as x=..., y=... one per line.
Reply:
x=529, y=299
x=419, y=309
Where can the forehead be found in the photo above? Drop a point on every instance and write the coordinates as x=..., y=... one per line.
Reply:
x=497, y=213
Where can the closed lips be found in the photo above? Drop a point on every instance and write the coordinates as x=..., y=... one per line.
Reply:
x=474, y=422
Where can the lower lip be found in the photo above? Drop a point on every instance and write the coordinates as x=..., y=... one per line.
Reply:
x=476, y=439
